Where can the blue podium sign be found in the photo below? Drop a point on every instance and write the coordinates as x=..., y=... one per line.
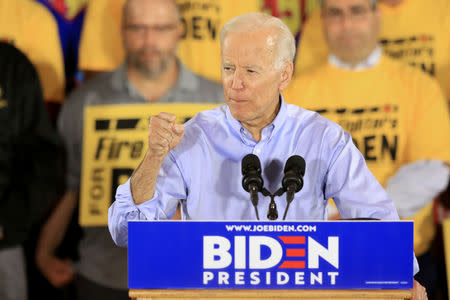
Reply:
x=270, y=255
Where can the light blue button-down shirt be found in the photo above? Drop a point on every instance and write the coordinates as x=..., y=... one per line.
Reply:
x=204, y=171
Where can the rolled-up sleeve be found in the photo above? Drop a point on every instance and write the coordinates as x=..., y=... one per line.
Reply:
x=170, y=188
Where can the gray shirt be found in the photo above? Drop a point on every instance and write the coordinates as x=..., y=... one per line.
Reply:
x=101, y=261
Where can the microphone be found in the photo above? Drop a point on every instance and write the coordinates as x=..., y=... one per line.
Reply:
x=292, y=182
x=252, y=181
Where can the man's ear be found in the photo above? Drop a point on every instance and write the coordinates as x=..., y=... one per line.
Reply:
x=180, y=30
x=286, y=75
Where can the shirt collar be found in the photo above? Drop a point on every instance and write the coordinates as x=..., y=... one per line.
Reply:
x=367, y=63
x=121, y=83
x=267, y=131
x=186, y=79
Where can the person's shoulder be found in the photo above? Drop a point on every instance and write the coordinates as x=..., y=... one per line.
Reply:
x=33, y=7
x=204, y=89
x=409, y=76
x=92, y=91
x=207, y=84
x=210, y=88
x=36, y=12
x=94, y=86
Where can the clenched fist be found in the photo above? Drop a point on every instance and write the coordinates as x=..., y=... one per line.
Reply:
x=163, y=134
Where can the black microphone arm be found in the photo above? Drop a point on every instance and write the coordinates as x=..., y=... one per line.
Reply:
x=272, y=212
x=252, y=180
x=292, y=182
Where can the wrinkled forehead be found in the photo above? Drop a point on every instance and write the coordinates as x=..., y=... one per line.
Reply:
x=249, y=46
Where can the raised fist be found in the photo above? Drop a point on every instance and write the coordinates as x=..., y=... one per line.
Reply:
x=163, y=134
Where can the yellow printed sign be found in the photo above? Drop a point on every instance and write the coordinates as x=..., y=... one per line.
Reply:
x=115, y=142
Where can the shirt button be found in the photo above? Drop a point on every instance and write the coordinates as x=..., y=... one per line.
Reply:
x=258, y=151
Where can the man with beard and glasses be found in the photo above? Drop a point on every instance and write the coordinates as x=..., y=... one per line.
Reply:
x=151, y=73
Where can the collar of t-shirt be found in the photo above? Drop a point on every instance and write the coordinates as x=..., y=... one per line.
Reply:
x=367, y=63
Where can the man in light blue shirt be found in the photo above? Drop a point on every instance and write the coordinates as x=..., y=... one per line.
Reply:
x=200, y=163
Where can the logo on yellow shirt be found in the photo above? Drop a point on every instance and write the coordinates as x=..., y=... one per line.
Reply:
x=418, y=51
x=374, y=129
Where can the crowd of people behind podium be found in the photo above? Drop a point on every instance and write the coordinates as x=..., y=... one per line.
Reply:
x=380, y=69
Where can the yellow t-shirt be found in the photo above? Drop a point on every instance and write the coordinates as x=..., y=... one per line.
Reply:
x=199, y=49
x=416, y=32
x=30, y=27
x=100, y=46
x=395, y=114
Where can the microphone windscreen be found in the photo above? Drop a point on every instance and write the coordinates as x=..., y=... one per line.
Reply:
x=296, y=164
x=251, y=162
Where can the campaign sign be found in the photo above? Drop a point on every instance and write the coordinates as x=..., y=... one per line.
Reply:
x=270, y=255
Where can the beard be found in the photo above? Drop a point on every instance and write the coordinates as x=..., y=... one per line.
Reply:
x=149, y=68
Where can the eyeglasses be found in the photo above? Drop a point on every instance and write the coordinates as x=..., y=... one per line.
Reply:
x=356, y=13
x=140, y=29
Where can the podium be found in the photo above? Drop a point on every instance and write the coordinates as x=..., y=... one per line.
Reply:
x=270, y=260
x=269, y=294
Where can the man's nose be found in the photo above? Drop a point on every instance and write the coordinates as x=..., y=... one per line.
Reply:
x=347, y=21
x=149, y=37
x=237, y=83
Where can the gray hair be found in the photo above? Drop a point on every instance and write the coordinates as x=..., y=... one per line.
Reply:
x=252, y=22
x=373, y=3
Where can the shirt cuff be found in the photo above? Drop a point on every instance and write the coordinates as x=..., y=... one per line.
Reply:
x=416, y=266
x=148, y=210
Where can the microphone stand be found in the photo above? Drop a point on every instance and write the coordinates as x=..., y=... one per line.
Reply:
x=272, y=213
x=286, y=210
x=289, y=197
x=254, y=199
